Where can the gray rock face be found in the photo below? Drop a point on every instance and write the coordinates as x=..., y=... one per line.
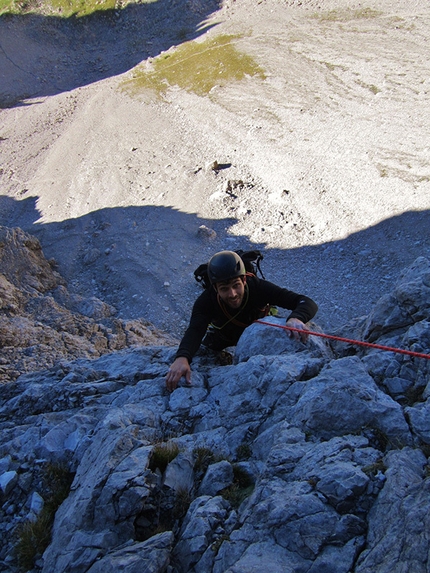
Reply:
x=306, y=460
x=218, y=476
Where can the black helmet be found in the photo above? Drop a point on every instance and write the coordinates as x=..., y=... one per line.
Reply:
x=224, y=266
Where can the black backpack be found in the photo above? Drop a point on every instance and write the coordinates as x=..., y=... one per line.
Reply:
x=251, y=260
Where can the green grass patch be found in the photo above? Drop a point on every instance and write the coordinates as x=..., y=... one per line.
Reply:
x=196, y=67
x=347, y=15
x=371, y=87
x=63, y=8
x=235, y=494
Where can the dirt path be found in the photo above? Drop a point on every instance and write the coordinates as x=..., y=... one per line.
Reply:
x=325, y=161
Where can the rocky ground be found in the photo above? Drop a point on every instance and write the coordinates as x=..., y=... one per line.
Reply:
x=43, y=324
x=304, y=458
x=324, y=158
x=295, y=458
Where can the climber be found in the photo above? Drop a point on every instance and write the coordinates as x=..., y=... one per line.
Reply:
x=223, y=311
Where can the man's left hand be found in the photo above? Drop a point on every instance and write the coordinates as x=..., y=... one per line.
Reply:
x=301, y=336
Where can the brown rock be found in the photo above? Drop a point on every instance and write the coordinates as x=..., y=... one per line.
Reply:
x=42, y=323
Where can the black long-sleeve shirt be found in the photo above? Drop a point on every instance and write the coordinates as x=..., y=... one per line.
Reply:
x=207, y=310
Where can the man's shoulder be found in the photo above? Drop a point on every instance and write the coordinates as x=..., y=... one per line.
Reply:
x=252, y=279
x=257, y=283
x=206, y=298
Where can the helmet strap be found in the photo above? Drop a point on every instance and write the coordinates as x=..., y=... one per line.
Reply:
x=228, y=315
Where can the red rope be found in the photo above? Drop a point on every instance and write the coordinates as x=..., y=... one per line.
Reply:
x=349, y=340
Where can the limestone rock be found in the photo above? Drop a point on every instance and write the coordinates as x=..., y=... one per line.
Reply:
x=8, y=481
x=218, y=477
x=206, y=233
x=152, y=556
x=276, y=341
x=306, y=460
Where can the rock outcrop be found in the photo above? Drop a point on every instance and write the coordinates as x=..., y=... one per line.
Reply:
x=295, y=458
x=41, y=323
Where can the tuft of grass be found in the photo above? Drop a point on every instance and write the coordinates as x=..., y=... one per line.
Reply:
x=34, y=537
x=164, y=510
x=204, y=457
x=243, y=452
x=182, y=503
x=373, y=469
x=196, y=67
x=215, y=546
x=240, y=489
x=162, y=455
x=242, y=477
x=371, y=87
x=236, y=495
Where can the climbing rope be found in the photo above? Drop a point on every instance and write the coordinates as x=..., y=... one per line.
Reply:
x=348, y=340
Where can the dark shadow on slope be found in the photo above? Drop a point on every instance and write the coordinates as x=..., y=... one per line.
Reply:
x=47, y=55
x=141, y=260
x=347, y=277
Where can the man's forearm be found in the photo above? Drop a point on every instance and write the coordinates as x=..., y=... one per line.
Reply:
x=189, y=344
x=305, y=310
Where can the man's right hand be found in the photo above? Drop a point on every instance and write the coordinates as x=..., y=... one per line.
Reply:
x=179, y=368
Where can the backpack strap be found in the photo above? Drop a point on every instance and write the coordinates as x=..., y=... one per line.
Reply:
x=201, y=275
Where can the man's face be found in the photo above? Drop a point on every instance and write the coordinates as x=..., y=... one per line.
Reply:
x=232, y=292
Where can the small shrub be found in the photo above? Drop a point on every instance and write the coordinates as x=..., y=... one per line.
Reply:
x=162, y=511
x=414, y=395
x=34, y=538
x=425, y=448
x=377, y=439
x=242, y=477
x=312, y=481
x=236, y=495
